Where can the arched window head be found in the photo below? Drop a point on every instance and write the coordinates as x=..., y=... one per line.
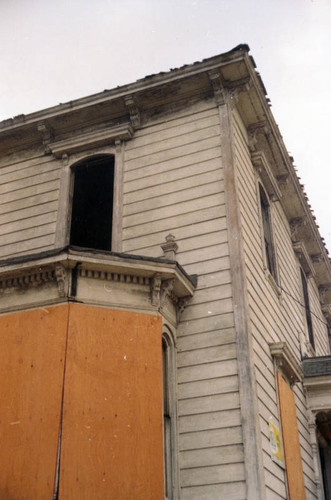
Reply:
x=269, y=250
x=92, y=205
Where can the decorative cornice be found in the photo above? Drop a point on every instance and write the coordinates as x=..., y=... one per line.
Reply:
x=116, y=277
x=286, y=362
x=31, y=278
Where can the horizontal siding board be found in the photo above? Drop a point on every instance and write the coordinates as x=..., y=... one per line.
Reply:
x=33, y=200
x=163, y=212
x=175, y=142
x=181, y=126
x=207, y=371
x=164, y=181
x=13, y=175
x=176, y=221
x=195, y=162
x=206, y=404
x=227, y=491
x=22, y=184
x=17, y=229
x=35, y=190
x=206, y=355
x=225, y=473
x=27, y=213
x=43, y=243
x=209, y=420
x=212, y=456
x=219, y=385
x=208, y=324
x=210, y=308
x=205, y=339
x=214, y=227
x=179, y=192
x=197, y=145
x=27, y=234
x=209, y=438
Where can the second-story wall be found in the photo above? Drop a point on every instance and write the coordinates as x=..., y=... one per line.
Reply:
x=174, y=183
x=29, y=191
x=276, y=309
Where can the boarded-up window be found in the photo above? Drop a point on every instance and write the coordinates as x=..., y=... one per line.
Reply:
x=294, y=472
x=92, y=206
x=167, y=418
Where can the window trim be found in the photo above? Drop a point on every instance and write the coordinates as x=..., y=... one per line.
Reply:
x=269, y=258
x=170, y=477
x=308, y=320
x=62, y=236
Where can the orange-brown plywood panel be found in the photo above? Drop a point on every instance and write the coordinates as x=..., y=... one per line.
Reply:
x=291, y=441
x=31, y=380
x=112, y=419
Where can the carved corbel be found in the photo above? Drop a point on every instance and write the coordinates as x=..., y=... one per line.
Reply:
x=118, y=146
x=326, y=310
x=219, y=92
x=60, y=275
x=282, y=179
x=155, y=290
x=322, y=291
x=166, y=290
x=295, y=224
x=133, y=110
x=316, y=258
x=47, y=135
x=65, y=159
x=181, y=304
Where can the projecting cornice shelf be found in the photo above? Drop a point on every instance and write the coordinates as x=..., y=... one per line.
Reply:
x=91, y=140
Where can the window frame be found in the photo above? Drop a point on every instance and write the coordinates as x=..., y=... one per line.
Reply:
x=308, y=320
x=267, y=234
x=169, y=416
x=75, y=168
x=63, y=224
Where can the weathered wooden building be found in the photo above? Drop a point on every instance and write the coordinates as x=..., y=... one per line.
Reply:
x=164, y=296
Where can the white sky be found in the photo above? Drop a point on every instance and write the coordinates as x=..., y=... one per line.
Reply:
x=53, y=51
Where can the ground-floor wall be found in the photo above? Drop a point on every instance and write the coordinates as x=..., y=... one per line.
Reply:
x=81, y=404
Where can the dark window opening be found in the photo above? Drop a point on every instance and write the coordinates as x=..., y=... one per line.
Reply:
x=267, y=235
x=307, y=308
x=92, y=206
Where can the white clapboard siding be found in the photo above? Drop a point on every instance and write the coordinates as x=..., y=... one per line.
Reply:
x=228, y=491
x=28, y=206
x=273, y=318
x=174, y=183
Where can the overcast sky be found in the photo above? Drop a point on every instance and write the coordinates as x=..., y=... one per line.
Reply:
x=53, y=51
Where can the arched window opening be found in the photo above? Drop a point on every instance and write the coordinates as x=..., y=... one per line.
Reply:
x=267, y=233
x=92, y=205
